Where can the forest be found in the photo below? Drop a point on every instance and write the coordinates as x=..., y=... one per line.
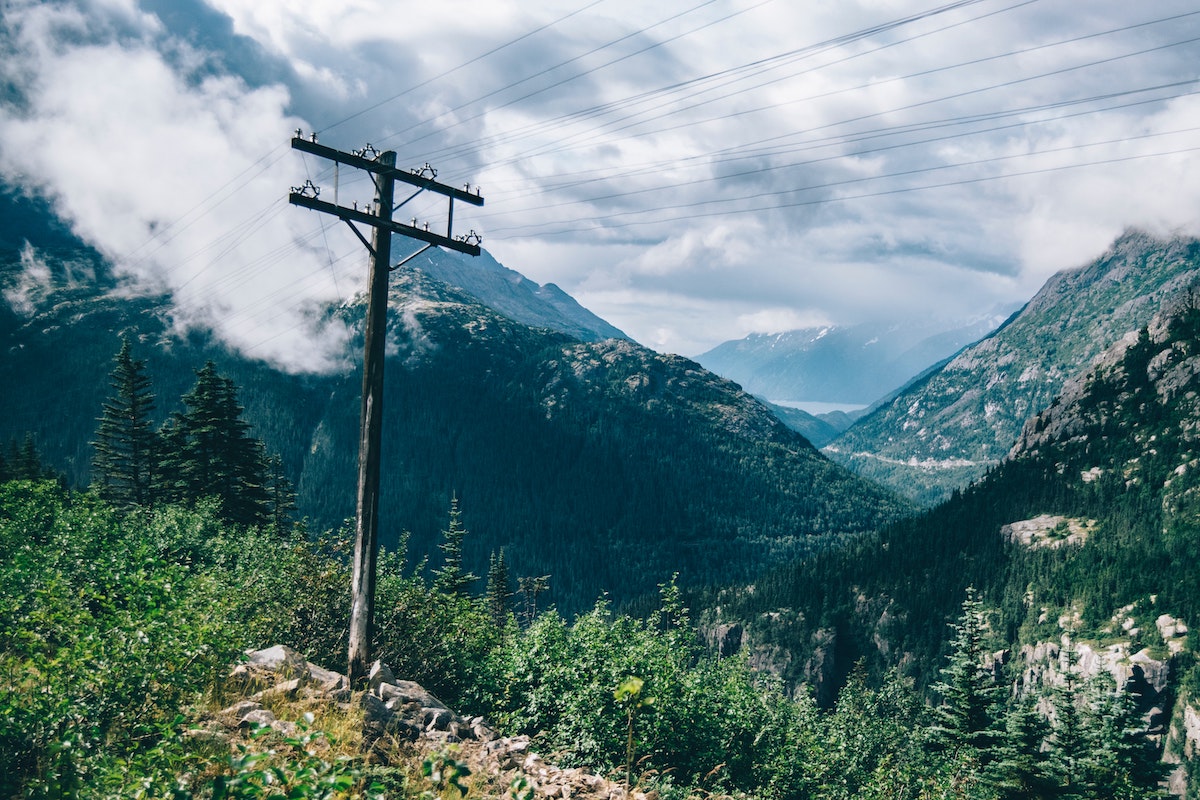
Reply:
x=118, y=626
x=126, y=603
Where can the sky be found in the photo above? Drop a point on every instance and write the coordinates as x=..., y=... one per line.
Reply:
x=690, y=170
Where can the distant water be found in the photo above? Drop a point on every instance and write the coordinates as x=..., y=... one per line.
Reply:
x=815, y=407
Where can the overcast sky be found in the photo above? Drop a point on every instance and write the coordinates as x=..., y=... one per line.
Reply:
x=690, y=170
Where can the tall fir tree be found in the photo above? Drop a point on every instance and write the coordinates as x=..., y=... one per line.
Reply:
x=208, y=452
x=971, y=698
x=123, y=466
x=1068, y=740
x=1021, y=768
x=452, y=578
x=499, y=590
x=1120, y=762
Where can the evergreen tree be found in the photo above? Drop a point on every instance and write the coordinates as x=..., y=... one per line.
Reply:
x=209, y=452
x=499, y=592
x=1120, y=761
x=281, y=495
x=970, y=695
x=1020, y=769
x=452, y=578
x=123, y=464
x=1068, y=743
x=23, y=463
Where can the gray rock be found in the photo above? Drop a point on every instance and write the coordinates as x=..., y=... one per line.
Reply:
x=281, y=659
x=379, y=675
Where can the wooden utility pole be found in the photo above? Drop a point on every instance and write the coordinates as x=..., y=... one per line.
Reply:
x=382, y=168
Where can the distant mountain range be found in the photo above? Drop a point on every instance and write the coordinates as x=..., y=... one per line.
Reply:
x=950, y=427
x=853, y=364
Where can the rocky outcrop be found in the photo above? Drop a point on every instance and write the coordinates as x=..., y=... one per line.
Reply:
x=398, y=712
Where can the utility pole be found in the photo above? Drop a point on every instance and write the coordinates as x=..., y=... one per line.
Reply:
x=382, y=168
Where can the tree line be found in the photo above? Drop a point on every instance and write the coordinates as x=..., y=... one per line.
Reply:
x=204, y=450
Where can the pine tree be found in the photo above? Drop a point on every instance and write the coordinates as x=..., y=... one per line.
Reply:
x=1021, y=768
x=1119, y=762
x=123, y=465
x=452, y=578
x=209, y=452
x=499, y=592
x=970, y=695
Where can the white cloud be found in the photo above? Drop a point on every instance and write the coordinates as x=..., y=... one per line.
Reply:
x=690, y=188
x=138, y=157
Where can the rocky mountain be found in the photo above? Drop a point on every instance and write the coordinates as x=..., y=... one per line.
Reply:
x=854, y=364
x=949, y=428
x=514, y=295
x=1080, y=541
x=602, y=464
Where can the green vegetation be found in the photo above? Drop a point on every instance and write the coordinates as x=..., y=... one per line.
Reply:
x=117, y=631
x=604, y=465
x=950, y=428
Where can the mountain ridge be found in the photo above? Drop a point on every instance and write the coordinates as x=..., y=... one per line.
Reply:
x=946, y=430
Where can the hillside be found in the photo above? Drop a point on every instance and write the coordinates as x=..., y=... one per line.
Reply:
x=948, y=429
x=1086, y=531
x=515, y=296
x=602, y=464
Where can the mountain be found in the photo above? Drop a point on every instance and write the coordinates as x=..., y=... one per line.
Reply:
x=855, y=364
x=514, y=295
x=1086, y=533
x=819, y=429
x=603, y=464
x=950, y=427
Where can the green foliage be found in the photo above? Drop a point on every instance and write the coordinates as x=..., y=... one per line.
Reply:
x=102, y=636
x=123, y=467
x=444, y=771
x=292, y=767
x=451, y=578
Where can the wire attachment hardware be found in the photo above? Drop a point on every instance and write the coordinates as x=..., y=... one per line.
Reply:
x=367, y=152
x=426, y=171
x=309, y=189
x=471, y=238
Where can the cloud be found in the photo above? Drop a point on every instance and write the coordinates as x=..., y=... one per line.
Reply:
x=686, y=173
x=137, y=153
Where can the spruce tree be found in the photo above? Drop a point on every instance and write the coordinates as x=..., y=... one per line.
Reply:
x=1021, y=768
x=123, y=465
x=1120, y=761
x=452, y=578
x=499, y=592
x=209, y=452
x=970, y=696
x=1068, y=743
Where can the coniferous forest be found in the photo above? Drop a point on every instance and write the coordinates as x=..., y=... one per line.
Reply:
x=881, y=653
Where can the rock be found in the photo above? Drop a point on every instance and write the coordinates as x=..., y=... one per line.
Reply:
x=215, y=737
x=436, y=719
x=286, y=689
x=409, y=692
x=280, y=659
x=327, y=681
x=232, y=716
x=376, y=714
x=380, y=674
